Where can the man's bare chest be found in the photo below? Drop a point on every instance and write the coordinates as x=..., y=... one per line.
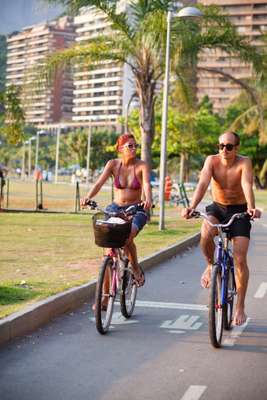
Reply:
x=227, y=178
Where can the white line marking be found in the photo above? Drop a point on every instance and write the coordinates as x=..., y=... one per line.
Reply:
x=236, y=332
x=176, y=306
x=261, y=291
x=194, y=392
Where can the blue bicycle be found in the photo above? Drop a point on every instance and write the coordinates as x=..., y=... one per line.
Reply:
x=223, y=284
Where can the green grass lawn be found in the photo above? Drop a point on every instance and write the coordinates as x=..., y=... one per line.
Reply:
x=43, y=254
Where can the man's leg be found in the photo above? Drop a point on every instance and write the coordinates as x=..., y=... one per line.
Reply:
x=207, y=245
x=240, y=247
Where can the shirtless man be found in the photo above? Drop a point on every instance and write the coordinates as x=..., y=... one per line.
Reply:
x=231, y=178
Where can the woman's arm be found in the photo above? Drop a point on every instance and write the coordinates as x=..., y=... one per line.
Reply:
x=146, y=186
x=107, y=172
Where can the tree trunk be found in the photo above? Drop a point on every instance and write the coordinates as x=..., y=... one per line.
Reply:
x=147, y=123
x=182, y=167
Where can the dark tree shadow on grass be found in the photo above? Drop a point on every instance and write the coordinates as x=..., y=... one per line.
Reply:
x=14, y=295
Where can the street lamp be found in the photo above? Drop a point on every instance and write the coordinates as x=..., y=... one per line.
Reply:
x=186, y=12
x=37, y=148
x=29, y=142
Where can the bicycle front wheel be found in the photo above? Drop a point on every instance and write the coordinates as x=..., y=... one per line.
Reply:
x=105, y=295
x=128, y=293
x=215, y=307
x=230, y=293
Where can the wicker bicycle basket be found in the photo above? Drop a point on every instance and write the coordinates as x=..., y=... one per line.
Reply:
x=108, y=234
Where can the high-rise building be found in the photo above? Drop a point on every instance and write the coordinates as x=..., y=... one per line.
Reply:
x=101, y=92
x=250, y=20
x=30, y=47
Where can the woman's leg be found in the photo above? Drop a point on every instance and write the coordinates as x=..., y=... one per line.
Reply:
x=131, y=253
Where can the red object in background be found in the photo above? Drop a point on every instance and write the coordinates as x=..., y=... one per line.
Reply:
x=168, y=188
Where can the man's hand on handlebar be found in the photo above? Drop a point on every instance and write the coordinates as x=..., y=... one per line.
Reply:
x=254, y=213
x=187, y=212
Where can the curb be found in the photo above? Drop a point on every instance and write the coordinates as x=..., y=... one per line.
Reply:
x=38, y=314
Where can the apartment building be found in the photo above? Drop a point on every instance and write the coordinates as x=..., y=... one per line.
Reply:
x=30, y=47
x=101, y=92
x=250, y=19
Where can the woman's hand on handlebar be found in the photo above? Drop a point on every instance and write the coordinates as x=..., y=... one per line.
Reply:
x=88, y=202
x=84, y=201
x=147, y=204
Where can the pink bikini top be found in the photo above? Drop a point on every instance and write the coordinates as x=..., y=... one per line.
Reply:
x=136, y=185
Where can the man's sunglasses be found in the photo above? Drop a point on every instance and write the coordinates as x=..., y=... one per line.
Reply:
x=228, y=146
x=131, y=146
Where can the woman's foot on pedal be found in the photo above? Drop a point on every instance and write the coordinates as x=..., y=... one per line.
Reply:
x=206, y=277
x=104, y=307
x=139, y=276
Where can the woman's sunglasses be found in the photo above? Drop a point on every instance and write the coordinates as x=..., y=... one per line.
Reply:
x=131, y=146
x=228, y=146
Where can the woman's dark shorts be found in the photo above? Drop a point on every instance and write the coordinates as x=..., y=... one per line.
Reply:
x=239, y=227
x=139, y=219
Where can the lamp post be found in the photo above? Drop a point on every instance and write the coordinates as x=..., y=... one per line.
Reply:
x=29, y=142
x=186, y=12
x=57, y=152
x=88, y=154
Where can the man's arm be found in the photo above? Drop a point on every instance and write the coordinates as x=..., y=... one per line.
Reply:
x=247, y=186
x=202, y=186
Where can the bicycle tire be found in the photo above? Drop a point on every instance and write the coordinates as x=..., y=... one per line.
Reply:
x=128, y=292
x=103, y=316
x=215, y=307
x=230, y=292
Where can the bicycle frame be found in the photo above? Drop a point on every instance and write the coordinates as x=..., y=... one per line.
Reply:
x=115, y=254
x=222, y=256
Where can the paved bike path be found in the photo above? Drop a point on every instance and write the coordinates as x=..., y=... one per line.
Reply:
x=163, y=352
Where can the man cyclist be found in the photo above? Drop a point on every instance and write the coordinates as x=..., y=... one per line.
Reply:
x=231, y=178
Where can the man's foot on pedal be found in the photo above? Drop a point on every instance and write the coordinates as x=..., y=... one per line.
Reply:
x=206, y=277
x=139, y=277
x=239, y=318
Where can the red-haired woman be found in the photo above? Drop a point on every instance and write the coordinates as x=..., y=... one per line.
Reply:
x=131, y=179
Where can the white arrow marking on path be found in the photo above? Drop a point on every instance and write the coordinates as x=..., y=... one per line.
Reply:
x=236, y=332
x=194, y=392
x=183, y=322
x=261, y=291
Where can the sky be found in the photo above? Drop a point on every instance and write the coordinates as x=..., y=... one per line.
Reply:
x=17, y=14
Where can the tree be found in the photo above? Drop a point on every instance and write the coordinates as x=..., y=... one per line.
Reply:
x=13, y=124
x=102, y=145
x=139, y=40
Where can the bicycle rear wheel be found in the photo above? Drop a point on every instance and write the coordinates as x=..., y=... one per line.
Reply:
x=105, y=295
x=128, y=292
x=230, y=293
x=215, y=307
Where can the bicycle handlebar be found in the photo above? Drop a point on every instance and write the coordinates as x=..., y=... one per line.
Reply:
x=198, y=214
x=131, y=210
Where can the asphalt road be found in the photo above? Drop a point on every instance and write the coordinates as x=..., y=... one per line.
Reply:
x=163, y=352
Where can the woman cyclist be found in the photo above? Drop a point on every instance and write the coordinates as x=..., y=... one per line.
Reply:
x=131, y=183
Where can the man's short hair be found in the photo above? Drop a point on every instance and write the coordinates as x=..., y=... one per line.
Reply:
x=237, y=137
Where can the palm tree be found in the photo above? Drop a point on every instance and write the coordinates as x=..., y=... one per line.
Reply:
x=13, y=115
x=139, y=39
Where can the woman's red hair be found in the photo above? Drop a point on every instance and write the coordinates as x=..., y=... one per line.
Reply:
x=122, y=139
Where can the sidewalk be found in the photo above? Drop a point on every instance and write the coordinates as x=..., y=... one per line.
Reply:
x=38, y=314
